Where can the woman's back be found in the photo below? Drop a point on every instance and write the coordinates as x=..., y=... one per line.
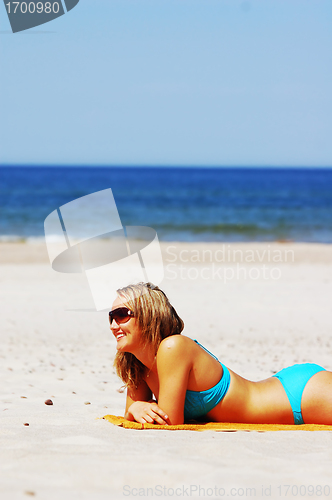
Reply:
x=243, y=401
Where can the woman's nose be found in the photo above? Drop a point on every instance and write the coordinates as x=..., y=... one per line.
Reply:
x=114, y=325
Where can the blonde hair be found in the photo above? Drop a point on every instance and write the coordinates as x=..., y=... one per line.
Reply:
x=156, y=319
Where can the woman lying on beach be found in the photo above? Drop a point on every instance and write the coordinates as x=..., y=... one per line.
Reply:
x=189, y=382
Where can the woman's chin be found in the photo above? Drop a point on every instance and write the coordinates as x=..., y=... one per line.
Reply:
x=121, y=346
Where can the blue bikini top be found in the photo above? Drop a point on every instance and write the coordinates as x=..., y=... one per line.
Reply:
x=199, y=403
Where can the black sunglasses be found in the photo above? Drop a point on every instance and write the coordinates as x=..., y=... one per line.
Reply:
x=120, y=315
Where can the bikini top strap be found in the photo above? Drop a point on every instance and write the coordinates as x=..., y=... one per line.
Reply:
x=205, y=349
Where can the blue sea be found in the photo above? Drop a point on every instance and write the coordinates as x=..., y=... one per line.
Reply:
x=181, y=204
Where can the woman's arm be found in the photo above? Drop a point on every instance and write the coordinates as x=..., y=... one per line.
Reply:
x=140, y=408
x=174, y=363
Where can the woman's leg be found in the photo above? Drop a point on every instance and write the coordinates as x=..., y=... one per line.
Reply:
x=316, y=401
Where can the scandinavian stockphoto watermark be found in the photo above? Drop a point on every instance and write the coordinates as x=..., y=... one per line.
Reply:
x=226, y=263
x=193, y=490
x=262, y=491
x=86, y=236
x=24, y=15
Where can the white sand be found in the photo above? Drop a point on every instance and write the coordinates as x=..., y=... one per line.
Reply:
x=50, y=350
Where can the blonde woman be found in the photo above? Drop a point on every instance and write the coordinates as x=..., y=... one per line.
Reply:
x=188, y=382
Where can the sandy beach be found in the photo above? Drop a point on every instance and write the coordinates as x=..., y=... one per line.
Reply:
x=258, y=307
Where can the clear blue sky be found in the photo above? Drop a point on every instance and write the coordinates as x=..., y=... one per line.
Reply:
x=170, y=82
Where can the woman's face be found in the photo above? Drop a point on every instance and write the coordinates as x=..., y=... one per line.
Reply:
x=128, y=336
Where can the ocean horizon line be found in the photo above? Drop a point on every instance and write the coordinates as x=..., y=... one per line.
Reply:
x=165, y=166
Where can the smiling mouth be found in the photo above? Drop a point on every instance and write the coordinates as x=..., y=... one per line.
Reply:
x=118, y=337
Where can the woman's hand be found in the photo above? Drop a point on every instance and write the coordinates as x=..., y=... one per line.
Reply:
x=147, y=412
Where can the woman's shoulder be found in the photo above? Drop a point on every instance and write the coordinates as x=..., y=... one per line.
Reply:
x=175, y=350
x=175, y=344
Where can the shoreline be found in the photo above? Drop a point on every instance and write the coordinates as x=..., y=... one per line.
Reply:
x=35, y=252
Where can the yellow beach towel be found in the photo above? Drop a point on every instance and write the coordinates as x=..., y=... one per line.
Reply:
x=216, y=426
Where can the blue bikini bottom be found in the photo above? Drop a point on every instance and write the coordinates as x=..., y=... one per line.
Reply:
x=294, y=379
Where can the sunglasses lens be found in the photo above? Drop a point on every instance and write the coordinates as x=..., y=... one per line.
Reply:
x=120, y=315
